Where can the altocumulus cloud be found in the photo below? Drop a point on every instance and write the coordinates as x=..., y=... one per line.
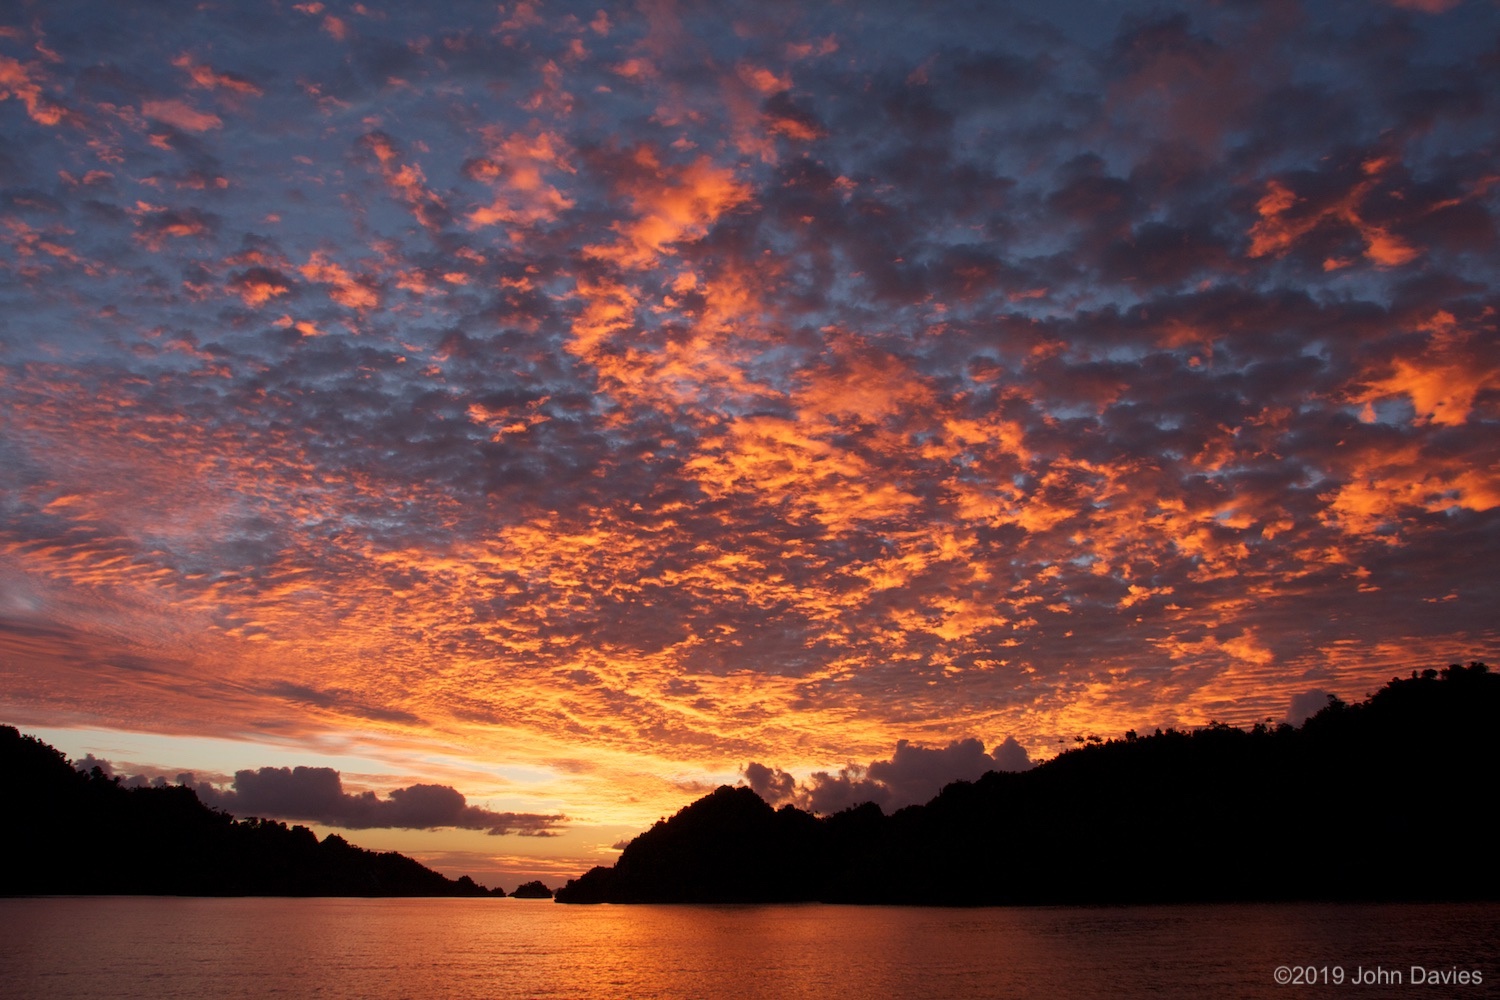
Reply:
x=317, y=794
x=912, y=775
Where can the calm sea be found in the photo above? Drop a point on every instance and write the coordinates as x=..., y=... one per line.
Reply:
x=58, y=948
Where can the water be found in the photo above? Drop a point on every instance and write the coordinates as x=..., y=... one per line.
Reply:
x=157, y=947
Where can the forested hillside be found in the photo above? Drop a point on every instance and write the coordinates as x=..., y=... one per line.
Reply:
x=1382, y=800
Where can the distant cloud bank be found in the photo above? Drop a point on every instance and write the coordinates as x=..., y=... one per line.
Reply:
x=912, y=775
x=316, y=794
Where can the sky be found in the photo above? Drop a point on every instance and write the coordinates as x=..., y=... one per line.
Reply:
x=481, y=430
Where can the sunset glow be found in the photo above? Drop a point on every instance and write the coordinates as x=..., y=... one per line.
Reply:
x=573, y=405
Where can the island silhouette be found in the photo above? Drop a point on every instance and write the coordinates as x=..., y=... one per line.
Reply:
x=73, y=832
x=1386, y=799
x=532, y=890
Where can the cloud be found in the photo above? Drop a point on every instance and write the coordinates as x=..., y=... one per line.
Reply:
x=355, y=292
x=911, y=776
x=317, y=794
x=406, y=181
x=1305, y=705
x=259, y=285
x=24, y=82
x=772, y=784
x=179, y=114
x=1011, y=756
x=207, y=77
x=88, y=762
x=156, y=225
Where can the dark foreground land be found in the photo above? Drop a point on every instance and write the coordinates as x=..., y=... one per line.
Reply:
x=74, y=832
x=1384, y=800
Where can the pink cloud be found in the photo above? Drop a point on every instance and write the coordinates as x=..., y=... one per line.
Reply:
x=180, y=115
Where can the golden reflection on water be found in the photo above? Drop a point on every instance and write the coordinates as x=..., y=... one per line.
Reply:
x=63, y=948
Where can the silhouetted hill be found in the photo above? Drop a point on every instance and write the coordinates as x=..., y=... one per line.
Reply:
x=532, y=890
x=1384, y=800
x=71, y=832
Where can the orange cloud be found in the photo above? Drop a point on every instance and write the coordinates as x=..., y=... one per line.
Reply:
x=806, y=50
x=1444, y=380
x=635, y=69
x=671, y=205
x=208, y=78
x=551, y=95
x=16, y=82
x=29, y=244
x=406, y=181
x=861, y=385
x=180, y=115
x=793, y=128
x=520, y=165
x=343, y=288
x=762, y=79
x=1282, y=224
x=1383, y=488
x=258, y=285
x=779, y=460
